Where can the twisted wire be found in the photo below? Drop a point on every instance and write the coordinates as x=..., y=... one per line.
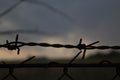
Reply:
x=16, y=45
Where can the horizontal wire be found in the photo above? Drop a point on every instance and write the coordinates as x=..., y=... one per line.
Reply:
x=82, y=46
x=56, y=65
x=15, y=45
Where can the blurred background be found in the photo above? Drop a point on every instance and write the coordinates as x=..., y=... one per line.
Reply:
x=63, y=22
x=58, y=21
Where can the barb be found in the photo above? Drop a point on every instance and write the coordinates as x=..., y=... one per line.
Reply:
x=27, y=60
x=74, y=58
x=84, y=52
x=15, y=45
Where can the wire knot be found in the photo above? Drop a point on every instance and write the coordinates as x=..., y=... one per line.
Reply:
x=13, y=45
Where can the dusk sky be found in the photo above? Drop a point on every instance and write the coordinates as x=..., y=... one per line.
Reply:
x=58, y=21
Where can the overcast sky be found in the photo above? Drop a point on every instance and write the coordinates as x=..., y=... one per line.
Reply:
x=58, y=21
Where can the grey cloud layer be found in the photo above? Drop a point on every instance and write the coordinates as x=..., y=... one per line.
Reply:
x=63, y=21
x=36, y=32
x=96, y=18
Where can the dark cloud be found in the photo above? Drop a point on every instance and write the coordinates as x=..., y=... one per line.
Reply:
x=98, y=19
x=21, y=18
x=28, y=32
x=7, y=6
x=52, y=8
x=40, y=3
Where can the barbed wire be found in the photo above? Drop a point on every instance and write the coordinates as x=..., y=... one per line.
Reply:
x=16, y=45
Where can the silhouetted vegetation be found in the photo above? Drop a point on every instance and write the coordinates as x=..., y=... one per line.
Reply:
x=77, y=73
x=112, y=56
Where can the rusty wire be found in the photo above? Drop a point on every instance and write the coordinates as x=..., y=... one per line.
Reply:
x=16, y=45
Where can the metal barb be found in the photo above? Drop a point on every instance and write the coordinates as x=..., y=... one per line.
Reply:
x=84, y=52
x=27, y=60
x=16, y=40
x=80, y=45
x=80, y=42
x=13, y=46
x=74, y=57
x=93, y=43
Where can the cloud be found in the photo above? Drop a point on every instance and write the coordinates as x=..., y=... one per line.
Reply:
x=98, y=20
x=52, y=8
x=9, y=9
x=40, y=3
x=28, y=32
x=43, y=16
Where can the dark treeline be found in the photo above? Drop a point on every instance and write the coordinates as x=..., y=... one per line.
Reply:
x=82, y=73
x=112, y=56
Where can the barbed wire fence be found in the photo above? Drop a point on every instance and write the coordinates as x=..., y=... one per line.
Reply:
x=16, y=45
